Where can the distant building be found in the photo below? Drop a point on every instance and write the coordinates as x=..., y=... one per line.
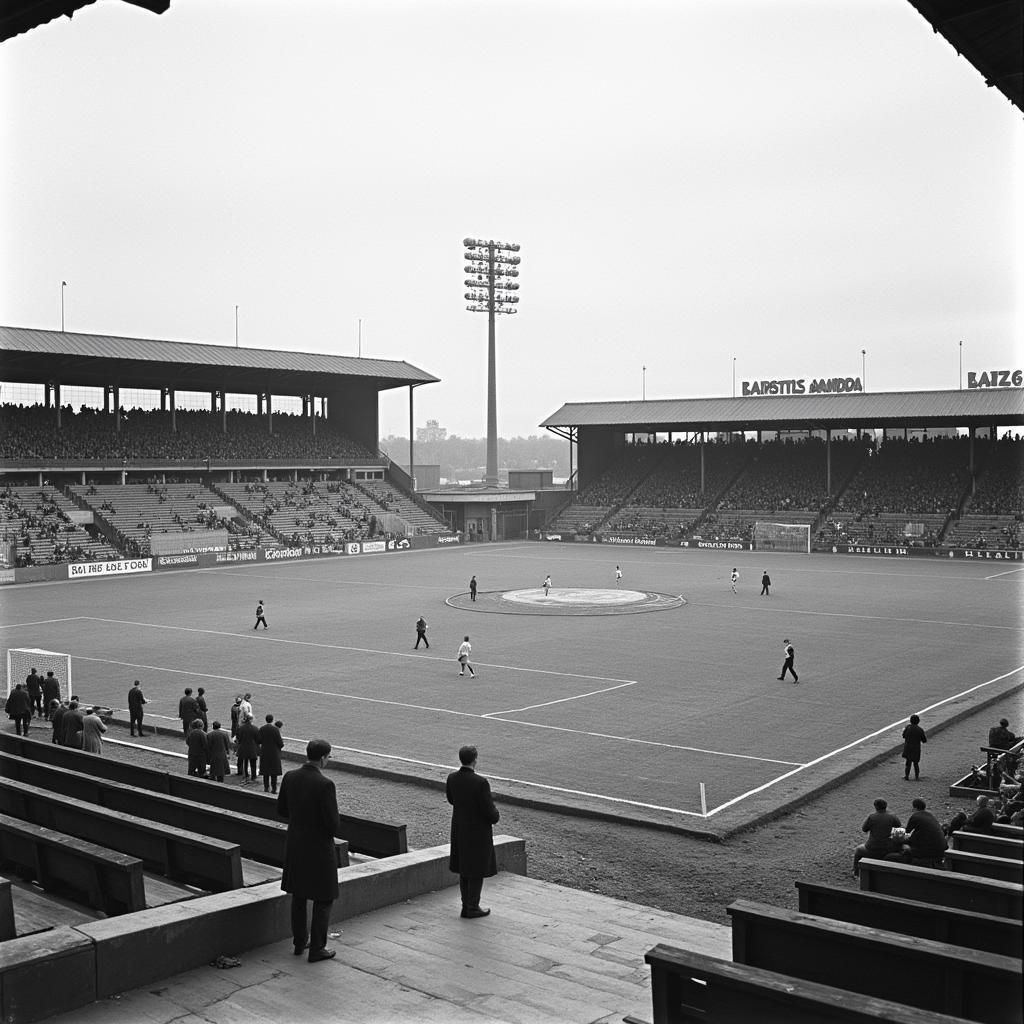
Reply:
x=431, y=432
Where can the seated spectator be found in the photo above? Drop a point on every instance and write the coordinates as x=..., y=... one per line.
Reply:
x=1000, y=736
x=879, y=826
x=981, y=820
x=924, y=839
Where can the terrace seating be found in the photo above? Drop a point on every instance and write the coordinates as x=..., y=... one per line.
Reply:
x=137, y=512
x=580, y=518
x=390, y=499
x=37, y=520
x=873, y=528
x=1000, y=488
x=312, y=512
x=985, y=531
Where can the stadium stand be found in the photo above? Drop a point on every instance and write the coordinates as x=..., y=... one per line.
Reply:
x=37, y=521
x=390, y=499
x=992, y=517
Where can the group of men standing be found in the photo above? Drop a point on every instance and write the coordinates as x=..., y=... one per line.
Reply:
x=33, y=699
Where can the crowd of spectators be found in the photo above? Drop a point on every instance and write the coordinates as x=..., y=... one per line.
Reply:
x=1000, y=487
x=34, y=520
x=915, y=476
x=31, y=432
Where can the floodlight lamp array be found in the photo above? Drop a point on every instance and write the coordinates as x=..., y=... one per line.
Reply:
x=477, y=243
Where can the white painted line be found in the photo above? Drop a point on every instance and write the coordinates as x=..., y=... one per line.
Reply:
x=863, y=739
x=1009, y=572
x=41, y=622
x=561, y=700
x=262, y=638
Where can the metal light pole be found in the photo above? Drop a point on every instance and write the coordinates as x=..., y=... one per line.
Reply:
x=236, y=325
x=733, y=376
x=64, y=285
x=491, y=269
x=961, y=365
x=863, y=371
x=643, y=384
x=359, y=341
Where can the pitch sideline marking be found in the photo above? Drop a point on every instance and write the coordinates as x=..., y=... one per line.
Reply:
x=356, y=650
x=42, y=622
x=863, y=739
x=1009, y=572
x=561, y=700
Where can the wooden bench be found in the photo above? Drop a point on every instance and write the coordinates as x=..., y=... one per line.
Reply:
x=7, y=926
x=688, y=987
x=983, y=866
x=363, y=835
x=910, y=917
x=210, y=864
x=881, y=964
x=258, y=838
x=993, y=846
x=103, y=879
x=1009, y=831
x=944, y=888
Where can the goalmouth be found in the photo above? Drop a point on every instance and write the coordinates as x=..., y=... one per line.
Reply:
x=782, y=537
x=21, y=661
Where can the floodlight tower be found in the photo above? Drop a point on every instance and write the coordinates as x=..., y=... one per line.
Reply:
x=491, y=269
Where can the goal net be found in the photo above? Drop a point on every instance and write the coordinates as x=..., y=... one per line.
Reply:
x=782, y=537
x=21, y=661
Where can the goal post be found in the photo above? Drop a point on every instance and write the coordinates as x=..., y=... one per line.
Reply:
x=21, y=661
x=782, y=537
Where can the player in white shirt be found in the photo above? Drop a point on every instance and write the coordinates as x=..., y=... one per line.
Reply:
x=465, y=649
x=618, y=575
x=733, y=578
x=546, y=585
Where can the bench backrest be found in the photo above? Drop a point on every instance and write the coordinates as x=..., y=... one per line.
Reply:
x=8, y=929
x=363, y=835
x=688, y=987
x=994, y=846
x=1008, y=831
x=106, y=879
x=258, y=838
x=984, y=866
x=943, y=978
x=212, y=864
x=944, y=888
x=909, y=917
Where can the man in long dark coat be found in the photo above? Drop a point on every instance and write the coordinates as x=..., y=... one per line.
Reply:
x=472, y=845
x=271, y=745
x=51, y=693
x=310, y=804
x=135, y=701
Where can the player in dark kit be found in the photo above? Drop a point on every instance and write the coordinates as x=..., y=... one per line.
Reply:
x=765, y=584
x=421, y=633
x=259, y=615
x=787, y=665
x=472, y=589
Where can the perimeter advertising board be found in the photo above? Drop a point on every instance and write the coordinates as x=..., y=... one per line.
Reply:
x=104, y=570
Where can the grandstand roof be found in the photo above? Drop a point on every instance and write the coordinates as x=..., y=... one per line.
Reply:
x=24, y=15
x=28, y=355
x=1002, y=407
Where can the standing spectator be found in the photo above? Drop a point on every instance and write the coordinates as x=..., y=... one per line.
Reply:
x=51, y=691
x=421, y=633
x=271, y=745
x=71, y=725
x=34, y=686
x=19, y=709
x=92, y=732
x=236, y=716
x=999, y=736
x=247, y=748
x=879, y=826
x=246, y=708
x=197, y=748
x=259, y=615
x=765, y=584
x=465, y=650
x=310, y=804
x=136, y=699
x=913, y=737
x=787, y=665
x=56, y=715
x=203, y=708
x=472, y=842
x=472, y=588
x=188, y=710
x=218, y=749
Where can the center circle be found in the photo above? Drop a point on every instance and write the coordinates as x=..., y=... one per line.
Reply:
x=574, y=596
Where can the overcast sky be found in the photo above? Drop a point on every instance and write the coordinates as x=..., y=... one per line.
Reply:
x=782, y=182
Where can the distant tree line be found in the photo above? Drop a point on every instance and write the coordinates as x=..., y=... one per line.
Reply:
x=465, y=458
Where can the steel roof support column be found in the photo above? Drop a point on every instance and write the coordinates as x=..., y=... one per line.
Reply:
x=702, y=435
x=828, y=461
x=270, y=415
x=56, y=401
x=174, y=414
x=412, y=467
x=117, y=408
x=224, y=411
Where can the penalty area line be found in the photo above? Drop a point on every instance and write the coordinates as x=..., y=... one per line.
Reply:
x=561, y=700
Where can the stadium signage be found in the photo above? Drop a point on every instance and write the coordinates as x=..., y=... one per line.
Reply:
x=452, y=539
x=552, y=536
x=93, y=570
x=727, y=545
x=994, y=379
x=273, y=554
x=1012, y=556
x=192, y=559
x=236, y=556
x=642, y=541
x=803, y=386
x=868, y=549
x=373, y=547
